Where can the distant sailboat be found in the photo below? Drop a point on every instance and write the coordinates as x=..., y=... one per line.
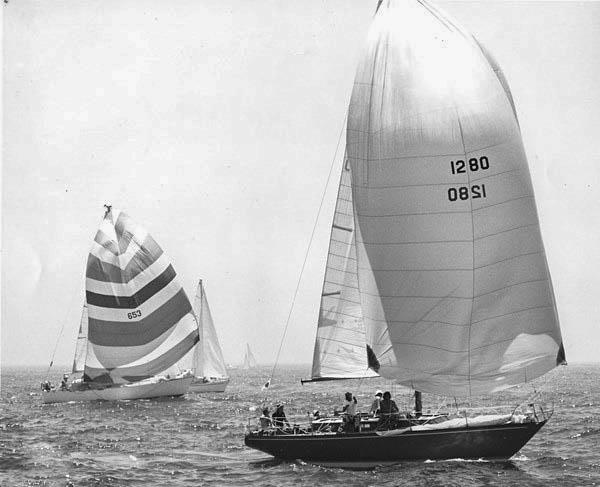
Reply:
x=136, y=323
x=209, y=366
x=436, y=256
x=249, y=360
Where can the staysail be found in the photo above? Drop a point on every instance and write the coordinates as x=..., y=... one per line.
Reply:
x=208, y=357
x=454, y=284
x=249, y=360
x=140, y=320
x=81, y=345
x=340, y=346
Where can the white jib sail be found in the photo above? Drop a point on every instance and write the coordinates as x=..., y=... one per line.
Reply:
x=340, y=346
x=208, y=356
x=454, y=284
x=81, y=345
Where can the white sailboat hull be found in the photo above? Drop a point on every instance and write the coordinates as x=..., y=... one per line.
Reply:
x=126, y=392
x=217, y=385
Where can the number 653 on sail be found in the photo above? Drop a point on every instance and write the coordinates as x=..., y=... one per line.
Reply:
x=134, y=314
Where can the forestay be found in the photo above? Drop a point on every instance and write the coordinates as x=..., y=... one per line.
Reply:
x=454, y=284
x=208, y=357
x=340, y=346
x=140, y=319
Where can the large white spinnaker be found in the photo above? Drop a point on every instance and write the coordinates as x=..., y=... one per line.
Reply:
x=454, y=285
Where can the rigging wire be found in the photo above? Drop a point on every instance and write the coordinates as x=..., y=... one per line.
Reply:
x=287, y=322
x=64, y=321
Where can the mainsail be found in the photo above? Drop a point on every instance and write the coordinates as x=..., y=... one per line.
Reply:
x=208, y=357
x=249, y=360
x=340, y=346
x=140, y=320
x=81, y=345
x=454, y=285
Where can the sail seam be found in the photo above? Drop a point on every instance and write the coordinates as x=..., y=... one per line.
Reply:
x=462, y=138
x=513, y=313
x=460, y=269
x=510, y=230
x=343, y=327
x=509, y=258
x=390, y=296
x=512, y=285
x=444, y=183
x=391, y=215
x=504, y=202
x=417, y=242
x=348, y=300
x=486, y=176
x=327, y=339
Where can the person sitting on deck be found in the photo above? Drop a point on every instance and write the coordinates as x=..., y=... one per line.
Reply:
x=265, y=420
x=63, y=382
x=388, y=412
x=351, y=420
x=375, y=405
x=279, y=419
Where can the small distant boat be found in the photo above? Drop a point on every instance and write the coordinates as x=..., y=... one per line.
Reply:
x=209, y=366
x=436, y=276
x=249, y=360
x=137, y=322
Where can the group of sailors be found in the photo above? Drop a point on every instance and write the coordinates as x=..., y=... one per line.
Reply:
x=383, y=407
x=47, y=386
x=276, y=420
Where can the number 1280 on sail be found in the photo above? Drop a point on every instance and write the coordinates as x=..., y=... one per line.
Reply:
x=461, y=167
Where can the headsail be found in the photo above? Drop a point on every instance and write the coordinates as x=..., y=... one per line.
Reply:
x=249, y=360
x=340, y=345
x=208, y=357
x=140, y=319
x=454, y=283
x=81, y=345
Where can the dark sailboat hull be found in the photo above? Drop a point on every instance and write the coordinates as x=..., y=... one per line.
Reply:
x=485, y=442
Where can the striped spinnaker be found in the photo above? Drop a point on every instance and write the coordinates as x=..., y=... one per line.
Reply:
x=140, y=321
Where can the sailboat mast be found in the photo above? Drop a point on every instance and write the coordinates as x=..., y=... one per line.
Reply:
x=418, y=404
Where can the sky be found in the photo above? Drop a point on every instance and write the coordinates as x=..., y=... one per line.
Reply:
x=214, y=124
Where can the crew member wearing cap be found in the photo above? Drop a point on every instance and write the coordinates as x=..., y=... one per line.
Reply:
x=376, y=404
x=64, y=382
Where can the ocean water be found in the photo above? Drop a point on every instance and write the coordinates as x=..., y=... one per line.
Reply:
x=198, y=439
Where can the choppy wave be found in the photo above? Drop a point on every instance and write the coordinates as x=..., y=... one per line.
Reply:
x=198, y=439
